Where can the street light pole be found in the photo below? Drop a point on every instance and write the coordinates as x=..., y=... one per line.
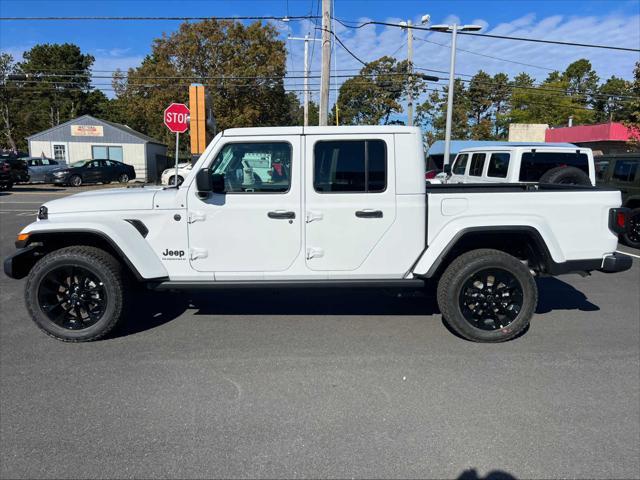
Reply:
x=454, y=29
x=452, y=73
x=306, y=40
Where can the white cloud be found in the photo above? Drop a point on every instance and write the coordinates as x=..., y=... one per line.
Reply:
x=616, y=29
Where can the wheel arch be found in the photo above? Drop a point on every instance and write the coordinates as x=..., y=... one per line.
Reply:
x=46, y=241
x=523, y=242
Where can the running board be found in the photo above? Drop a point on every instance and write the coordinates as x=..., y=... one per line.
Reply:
x=195, y=285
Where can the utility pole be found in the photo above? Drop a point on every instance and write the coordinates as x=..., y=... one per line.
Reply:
x=410, y=79
x=306, y=40
x=326, y=62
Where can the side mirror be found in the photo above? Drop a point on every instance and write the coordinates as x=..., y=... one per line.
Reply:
x=447, y=168
x=217, y=182
x=203, y=181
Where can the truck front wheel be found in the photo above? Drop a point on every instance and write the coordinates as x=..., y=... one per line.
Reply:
x=487, y=296
x=75, y=294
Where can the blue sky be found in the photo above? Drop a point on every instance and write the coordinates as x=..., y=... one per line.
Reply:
x=124, y=44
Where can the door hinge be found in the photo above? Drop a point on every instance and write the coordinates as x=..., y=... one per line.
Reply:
x=197, y=216
x=195, y=253
x=312, y=216
x=314, y=253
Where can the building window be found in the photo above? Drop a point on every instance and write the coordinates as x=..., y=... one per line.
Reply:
x=106, y=153
x=60, y=153
x=353, y=166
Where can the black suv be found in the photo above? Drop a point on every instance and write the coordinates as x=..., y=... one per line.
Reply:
x=19, y=169
x=622, y=171
x=6, y=182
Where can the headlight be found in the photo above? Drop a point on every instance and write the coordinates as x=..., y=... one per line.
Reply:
x=59, y=174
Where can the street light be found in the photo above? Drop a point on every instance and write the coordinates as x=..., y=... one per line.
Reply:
x=408, y=26
x=454, y=29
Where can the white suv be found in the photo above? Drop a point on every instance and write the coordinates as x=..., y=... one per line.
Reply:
x=513, y=164
x=168, y=176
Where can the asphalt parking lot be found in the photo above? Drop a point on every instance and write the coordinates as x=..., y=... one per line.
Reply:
x=321, y=383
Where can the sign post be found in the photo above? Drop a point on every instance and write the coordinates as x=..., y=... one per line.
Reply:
x=176, y=118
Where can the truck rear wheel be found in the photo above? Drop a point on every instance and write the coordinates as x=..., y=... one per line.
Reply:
x=632, y=236
x=75, y=294
x=487, y=296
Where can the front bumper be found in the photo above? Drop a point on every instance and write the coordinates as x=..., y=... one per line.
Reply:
x=20, y=262
x=55, y=180
x=616, y=262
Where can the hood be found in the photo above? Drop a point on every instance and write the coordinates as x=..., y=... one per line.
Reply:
x=113, y=199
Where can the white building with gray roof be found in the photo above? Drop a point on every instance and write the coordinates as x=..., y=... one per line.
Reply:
x=88, y=137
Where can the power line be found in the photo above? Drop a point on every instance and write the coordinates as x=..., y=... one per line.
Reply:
x=489, y=35
x=485, y=55
x=280, y=18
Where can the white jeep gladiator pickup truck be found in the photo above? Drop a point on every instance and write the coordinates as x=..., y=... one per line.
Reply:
x=328, y=206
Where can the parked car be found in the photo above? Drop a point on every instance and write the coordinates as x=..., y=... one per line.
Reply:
x=40, y=166
x=168, y=176
x=6, y=182
x=91, y=171
x=514, y=164
x=19, y=170
x=337, y=207
x=622, y=171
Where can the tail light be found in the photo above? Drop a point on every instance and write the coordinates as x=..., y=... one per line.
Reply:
x=430, y=174
x=618, y=219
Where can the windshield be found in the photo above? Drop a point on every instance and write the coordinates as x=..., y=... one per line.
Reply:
x=79, y=163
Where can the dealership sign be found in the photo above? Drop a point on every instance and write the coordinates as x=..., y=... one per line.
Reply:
x=87, y=131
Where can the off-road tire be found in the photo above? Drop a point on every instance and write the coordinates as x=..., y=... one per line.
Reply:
x=632, y=238
x=100, y=263
x=566, y=176
x=461, y=270
x=75, y=181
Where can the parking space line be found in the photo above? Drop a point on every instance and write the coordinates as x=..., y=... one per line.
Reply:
x=5, y=203
x=627, y=253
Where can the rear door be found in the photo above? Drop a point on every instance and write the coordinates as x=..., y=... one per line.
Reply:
x=497, y=168
x=350, y=199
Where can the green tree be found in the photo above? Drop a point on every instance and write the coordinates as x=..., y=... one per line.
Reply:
x=582, y=80
x=60, y=81
x=9, y=103
x=479, y=95
x=500, y=99
x=432, y=114
x=376, y=93
x=610, y=102
x=243, y=66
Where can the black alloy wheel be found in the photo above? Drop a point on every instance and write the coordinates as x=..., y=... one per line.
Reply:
x=72, y=297
x=632, y=236
x=491, y=299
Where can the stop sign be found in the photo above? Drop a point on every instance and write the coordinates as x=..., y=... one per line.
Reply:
x=176, y=117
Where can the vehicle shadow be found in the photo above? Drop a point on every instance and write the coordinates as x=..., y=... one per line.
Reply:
x=554, y=294
x=150, y=309
x=153, y=309
x=472, y=474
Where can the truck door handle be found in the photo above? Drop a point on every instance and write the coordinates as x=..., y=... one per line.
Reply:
x=369, y=213
x=281, y=214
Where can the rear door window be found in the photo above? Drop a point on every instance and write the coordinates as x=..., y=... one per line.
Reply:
x=498, y=165
x=535, y=164
x=477, y=164
x=460, y=164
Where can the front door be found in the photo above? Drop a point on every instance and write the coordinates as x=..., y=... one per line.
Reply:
x=350, y=199
x=256, y=225
x=93, y=171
